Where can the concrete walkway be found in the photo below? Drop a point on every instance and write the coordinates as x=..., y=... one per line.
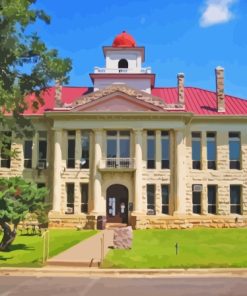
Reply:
x=87, y=253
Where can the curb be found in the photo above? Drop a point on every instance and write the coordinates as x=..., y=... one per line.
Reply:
x=125, y=273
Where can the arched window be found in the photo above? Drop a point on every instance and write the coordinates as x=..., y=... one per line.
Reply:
x=122, y=64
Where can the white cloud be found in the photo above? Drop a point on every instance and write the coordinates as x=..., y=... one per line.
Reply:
x=216, y=12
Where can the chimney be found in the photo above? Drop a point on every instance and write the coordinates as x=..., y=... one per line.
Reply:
x=219, y=72
x=180, y=78
x=58, y=94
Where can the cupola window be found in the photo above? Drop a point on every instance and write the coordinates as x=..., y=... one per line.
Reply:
x=123, y=64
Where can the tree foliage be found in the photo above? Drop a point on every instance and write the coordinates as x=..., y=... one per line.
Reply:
x=18, y=197
x=26, y=64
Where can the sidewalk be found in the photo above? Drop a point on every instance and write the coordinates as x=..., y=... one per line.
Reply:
x=55, y=271
x=87, y=253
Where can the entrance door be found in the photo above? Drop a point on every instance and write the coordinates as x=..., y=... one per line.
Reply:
x=117, y=204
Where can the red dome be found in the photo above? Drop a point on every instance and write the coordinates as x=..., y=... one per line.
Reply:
x=124, y=40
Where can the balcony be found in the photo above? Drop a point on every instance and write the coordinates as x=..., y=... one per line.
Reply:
x=123, y=70
x=117, y=164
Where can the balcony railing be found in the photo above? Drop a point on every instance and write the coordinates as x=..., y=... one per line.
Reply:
x=122, y=70
x=117, y=163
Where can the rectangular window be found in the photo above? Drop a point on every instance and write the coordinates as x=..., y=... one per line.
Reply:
x=150, y=149
x=40, y=185
x=42, y=149
x=84, y=198
x=28, y=144
x=196, y=198
x=151, y=199
x=84, y=164
x=5, y=158
x=235, y=199
x=234, y=150
x=71, y=150
x=196, y=150
x=118, y=149
x=70, y=188
x=212, y=192
x=165, y=149
x=211, y=150
x=165, y=199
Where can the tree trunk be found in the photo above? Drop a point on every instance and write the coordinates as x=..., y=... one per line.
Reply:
x=8, y=236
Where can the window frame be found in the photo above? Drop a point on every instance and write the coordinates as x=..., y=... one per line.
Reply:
x=151, y=206
x=212, y=163
x=84, y=205
x=196, y=205
x=85, y=134
x=165, y=163
x=27, y=160
x=165, y=205
x=68, y=203
x=42, y=137
x=196, y=137
x=71, y=139
x=234, y=164
x=151, y=136
x=213, y=206
x=238, y=206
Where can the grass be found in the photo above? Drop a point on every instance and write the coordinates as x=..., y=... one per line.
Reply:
x=27, y=250
x=198, y=248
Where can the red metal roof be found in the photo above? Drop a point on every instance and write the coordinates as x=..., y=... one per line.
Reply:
x=198, y=101
x=69, y=95
x=202, y=102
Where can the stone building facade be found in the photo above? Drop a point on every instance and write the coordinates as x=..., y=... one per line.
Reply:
x=140, y=155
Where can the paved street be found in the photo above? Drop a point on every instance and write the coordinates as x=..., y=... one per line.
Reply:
x=30, y=286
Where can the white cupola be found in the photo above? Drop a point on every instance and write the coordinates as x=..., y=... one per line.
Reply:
x=123, y=65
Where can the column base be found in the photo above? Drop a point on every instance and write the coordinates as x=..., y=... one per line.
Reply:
x=178, y=213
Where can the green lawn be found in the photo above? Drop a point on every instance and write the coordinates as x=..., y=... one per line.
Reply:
x=197, y=248
x=27, y=250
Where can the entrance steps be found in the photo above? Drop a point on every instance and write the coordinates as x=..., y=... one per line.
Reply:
x=115, y=225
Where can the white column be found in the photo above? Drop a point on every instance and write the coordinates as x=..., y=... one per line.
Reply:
x=180, y=173
x=97, y=192
x=57, y=171
x=138, y=172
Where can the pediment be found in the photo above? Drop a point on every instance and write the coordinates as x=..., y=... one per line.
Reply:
x=118, y=98
x=117, y=102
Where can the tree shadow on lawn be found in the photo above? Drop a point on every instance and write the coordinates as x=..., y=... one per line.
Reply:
x=22, y=247
x=5, y=258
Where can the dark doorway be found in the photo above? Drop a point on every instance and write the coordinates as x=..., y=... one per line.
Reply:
x=123, y=64
x=117, y=204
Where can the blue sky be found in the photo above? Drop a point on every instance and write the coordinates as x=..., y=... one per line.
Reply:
x=190, y=36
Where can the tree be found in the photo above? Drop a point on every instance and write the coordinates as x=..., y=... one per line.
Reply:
x=18, y=198
x=26, y=65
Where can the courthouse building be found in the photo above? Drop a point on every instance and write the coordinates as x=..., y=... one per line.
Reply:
x=146, y=156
